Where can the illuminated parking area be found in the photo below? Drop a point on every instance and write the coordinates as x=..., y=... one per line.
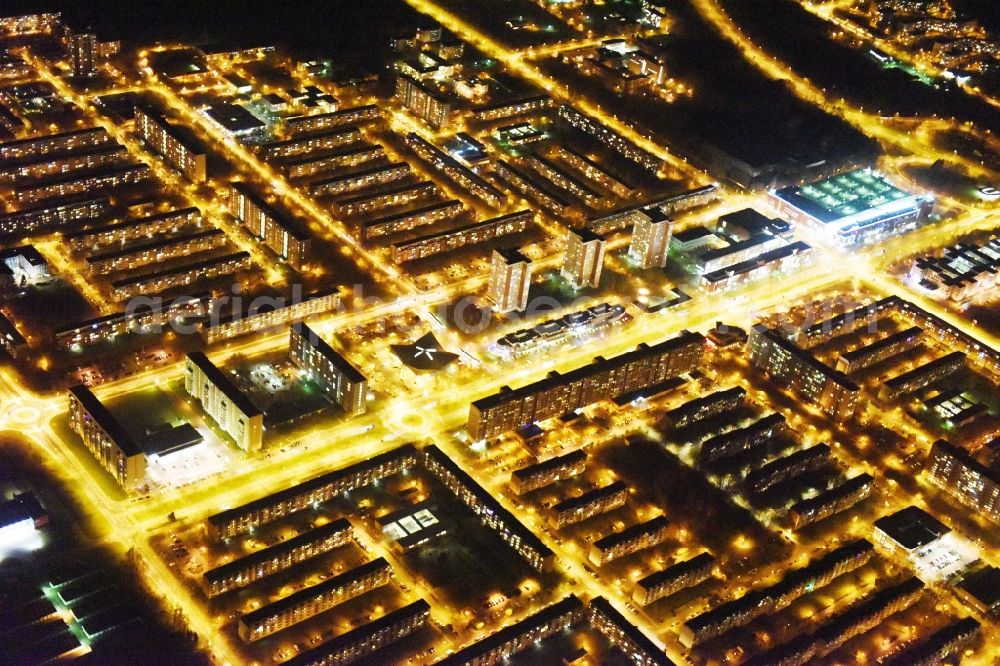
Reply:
x=196, y=462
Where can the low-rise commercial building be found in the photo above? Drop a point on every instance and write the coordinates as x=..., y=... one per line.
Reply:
x=738, y=252
x=313, y=600
x=835, y=500
x=547, y=472
x=854, y=208
x=744, y=224
x=490, y=512
x=557, y=394
x=259, y=565
x=815, y=382
x=630, y=540
x=969, y=481
x=221, y=399
x=592, y=503
x=345, y=384
x=961, y=272
x=673, y=579
x=462, y=236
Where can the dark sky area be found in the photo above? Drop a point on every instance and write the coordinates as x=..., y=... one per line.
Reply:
x=314, y=29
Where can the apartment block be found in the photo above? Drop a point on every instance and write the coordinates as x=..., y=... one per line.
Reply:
x=673, y=579
x=341, y=380
x=630, y=540
x=251, y=568
x=557, y=394
x=222, y=400
x=285, y=236
x=592, y=503
x=313, y=600
x=545, y=473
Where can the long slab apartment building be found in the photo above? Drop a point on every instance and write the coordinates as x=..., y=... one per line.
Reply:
x=332, y=371
x=258, y=565
x=322, y=488
x=279, y=232
x=557, y=394
x=818, y=384
x=175, y=144
x=224, y=402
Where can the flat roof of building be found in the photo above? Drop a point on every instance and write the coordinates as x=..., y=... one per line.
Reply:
x=171, y=439
x=883, y=343
x=984, y=586
x=926, y=368
x=234, y=118
x=912, y=527
x=850, y=199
